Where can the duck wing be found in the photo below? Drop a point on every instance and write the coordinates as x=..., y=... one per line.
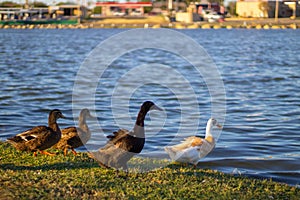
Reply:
x=177, y=151
x=188, y=142
x=124, y=140
x=69, y=139
x=118, y=136
x=31, y=134
x=69, y=132
x=32, y=139
x=199, y=149
x=189, y=155
x=120, y=148
x=205, y=148
x=193, y=141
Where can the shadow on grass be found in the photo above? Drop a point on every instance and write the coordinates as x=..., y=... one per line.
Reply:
x=54, y=166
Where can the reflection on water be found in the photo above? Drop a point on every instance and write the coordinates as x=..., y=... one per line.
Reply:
x=259, y=69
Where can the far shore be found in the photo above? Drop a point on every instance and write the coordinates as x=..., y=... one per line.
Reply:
x=161, y=22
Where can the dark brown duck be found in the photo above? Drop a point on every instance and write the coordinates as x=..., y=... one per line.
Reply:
x=74, y=137
x=39, y=138
x=124, y=144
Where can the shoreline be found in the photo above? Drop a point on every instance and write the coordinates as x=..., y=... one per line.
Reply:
x=159, y=22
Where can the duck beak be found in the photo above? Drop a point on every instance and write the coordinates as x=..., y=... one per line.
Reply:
x=155, y=107
x=62, y=116
x=92, y=117
x=219, y=126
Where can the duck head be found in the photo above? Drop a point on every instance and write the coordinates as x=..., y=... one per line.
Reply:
x=149, y=105
x=213, y=122
x=53, y=116
x=86, y=113
x=56, y=114
x=146, y=106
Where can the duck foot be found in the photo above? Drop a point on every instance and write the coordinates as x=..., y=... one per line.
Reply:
x=65, y=152
x=74, y=152
x=46, y=153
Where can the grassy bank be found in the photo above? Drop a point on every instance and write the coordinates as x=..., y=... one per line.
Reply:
x=23, y=176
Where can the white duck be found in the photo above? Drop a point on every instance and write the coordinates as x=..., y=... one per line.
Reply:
x=193, y=148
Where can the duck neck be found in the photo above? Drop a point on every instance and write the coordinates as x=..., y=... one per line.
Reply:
x=82, y=124
x=139, y=124
x=208, y=130
x=52, y=124
x=141, y=117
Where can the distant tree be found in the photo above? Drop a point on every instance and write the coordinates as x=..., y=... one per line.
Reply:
x=97, y=10
x=9, y=4
x=189, y=1
x=231, y=8
x=221, y=2
x=65, y=3
x=148, y=9
x=38, y=4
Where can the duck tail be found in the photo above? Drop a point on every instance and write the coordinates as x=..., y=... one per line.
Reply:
x=15, y=139
x=17, y=142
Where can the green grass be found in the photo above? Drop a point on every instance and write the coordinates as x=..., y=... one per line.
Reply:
x=23, y=176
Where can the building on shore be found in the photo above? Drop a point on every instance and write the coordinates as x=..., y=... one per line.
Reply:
x=115, y=8
x=7, y=13
x=202, y=10
x=51, y=12
x=68, y=11
x=266, y=8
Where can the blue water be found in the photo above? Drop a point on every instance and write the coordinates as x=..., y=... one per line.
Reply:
x=259, y=68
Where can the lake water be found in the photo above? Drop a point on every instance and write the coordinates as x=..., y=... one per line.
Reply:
x=259, y=68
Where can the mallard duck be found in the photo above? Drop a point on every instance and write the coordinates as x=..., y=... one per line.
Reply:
x=39, y=138
x=124, y=144
x=73, y=137
x=193, y=148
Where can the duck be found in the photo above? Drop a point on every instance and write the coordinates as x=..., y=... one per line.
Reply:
x=193, y=148
x=39, y=138
x=124, y=144
x=74, y=137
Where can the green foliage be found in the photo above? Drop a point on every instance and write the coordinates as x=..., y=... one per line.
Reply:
x=231, y=8
x=221, y=2
x=38, y=4
x=148, y=9
x=23, y=176
x=97, y=10
x=9, y=4
x=66, y=3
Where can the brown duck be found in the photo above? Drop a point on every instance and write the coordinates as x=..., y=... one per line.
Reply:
x=39, y=138
x=73, y=137
x=124, y=144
